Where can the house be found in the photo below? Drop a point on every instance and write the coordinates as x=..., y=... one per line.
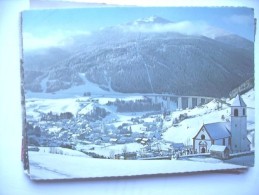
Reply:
x=221, y=152
x=212, y=134
x=144, y=141
x=233, y=135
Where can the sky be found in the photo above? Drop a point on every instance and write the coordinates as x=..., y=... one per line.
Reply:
x=44, y=28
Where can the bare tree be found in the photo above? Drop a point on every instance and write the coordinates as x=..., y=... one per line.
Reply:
x=124, y=151
x=112, y=154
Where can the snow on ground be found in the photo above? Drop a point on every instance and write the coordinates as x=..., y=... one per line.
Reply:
x=63, y=151
x=87, y=109
x=106, y=150
x=75, y=91
x=185, y=131
x=138, y=128
x=208, y=160
x=78, y=105
x=55, y=166
x=78, y=91
x=75, y=164
x=188, y=128
x=126, y=117
x=35, y=106
x=207, y=113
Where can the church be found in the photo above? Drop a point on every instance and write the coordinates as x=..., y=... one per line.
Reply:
x=231, y=134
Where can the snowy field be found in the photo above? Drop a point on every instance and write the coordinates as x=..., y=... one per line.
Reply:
x=44, y=165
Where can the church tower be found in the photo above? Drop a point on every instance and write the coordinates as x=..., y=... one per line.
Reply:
x=239, y=140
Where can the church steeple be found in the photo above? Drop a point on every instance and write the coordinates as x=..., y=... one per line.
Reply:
x=238, y=102
x=239, y=141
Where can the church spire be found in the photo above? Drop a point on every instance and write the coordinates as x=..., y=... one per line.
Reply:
x=238, y=102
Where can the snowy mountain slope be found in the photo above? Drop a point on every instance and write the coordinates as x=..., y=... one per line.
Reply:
x=131, y=61
x=235, y=41
x=35, y=107
x=187, y=129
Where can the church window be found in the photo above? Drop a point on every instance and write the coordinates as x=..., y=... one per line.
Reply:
x=202, y=137
x=235, y=112
x=244, y=111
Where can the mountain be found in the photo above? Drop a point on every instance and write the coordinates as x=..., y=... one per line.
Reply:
x=43, y=59
x=150, y=20
x=236, y=41
x=127, y=58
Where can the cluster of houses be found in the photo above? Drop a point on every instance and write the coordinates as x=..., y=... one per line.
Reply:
x=220, y=139
x=62, y=129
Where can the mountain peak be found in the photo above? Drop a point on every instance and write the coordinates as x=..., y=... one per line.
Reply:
x=151, y=20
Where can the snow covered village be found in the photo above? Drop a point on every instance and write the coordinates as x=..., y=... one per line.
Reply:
x=87, y=127
x=94, y=126
x=129, y=95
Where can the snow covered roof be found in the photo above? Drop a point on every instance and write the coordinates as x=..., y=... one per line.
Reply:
x=238, y=102
x=218, y=130
x=218, y=148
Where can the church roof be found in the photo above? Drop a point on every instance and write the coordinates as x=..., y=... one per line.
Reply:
x=218, y=148
x=238, y=102
x=218, y=130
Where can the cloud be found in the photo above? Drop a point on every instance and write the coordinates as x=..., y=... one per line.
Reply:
x=184, y=27
x=57, y=39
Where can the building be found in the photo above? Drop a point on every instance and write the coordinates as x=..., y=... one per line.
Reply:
x=212, y=134
x=239, y=140
x=221, y=152
x=233, y=135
